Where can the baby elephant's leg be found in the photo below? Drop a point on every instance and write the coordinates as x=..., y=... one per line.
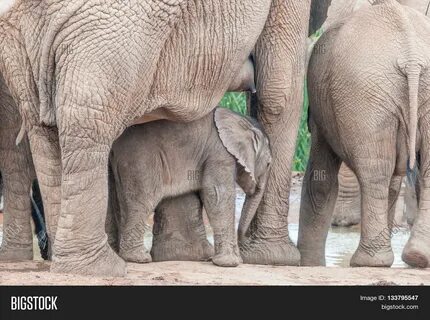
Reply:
x=219, y=196
x=132, y=238
x=132, y=228
x=179, y=231
x=347, y=209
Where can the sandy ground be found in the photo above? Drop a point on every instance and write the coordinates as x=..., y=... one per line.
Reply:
x=204, y=273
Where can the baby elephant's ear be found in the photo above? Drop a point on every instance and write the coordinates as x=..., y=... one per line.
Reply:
x=240, y=137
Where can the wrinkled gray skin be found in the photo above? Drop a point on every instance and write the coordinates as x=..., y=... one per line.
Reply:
x=201, y=156
x=245, y=79
x=18, y=174
x=347, y=210
x=366, y=114
x=411, y=202
x=73, y=68
x=179, y=232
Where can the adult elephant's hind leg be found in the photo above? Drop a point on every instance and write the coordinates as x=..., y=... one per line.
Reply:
x=319, y=193
x=279, y=62
x=376, y=177
x=417, y=250
x=179, y=231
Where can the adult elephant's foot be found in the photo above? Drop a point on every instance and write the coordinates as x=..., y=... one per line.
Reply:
x=372, y=257
x=9, y=254
x=174, y=249
x=416, y=254
x=279, y=252
x=137, y=254
x=104, y=263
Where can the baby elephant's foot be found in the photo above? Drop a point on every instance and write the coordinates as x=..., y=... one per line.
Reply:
x=227, y=259
x=372, y=257
x=416, y=254
x=177, y=250
x=136, y=255
x=16, y=254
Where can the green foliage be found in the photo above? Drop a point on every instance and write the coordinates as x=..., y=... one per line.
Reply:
x=303, y=139
x=237, y=103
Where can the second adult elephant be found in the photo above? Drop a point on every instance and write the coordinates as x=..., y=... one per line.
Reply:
x=91, y=68
x=375, y=120
x=347, y=208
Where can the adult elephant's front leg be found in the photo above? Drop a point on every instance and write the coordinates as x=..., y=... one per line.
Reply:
x=17, y=174
x=81, y=244
x=280, y=60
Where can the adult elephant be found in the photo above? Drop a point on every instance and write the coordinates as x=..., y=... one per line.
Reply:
x=91, y=68
x=347, y=208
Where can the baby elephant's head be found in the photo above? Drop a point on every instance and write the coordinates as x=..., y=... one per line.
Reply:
x=245, y=139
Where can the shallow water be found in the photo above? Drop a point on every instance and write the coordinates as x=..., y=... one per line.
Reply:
x=341, y=242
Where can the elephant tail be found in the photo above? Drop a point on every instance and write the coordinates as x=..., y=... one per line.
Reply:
x=411, y=64
x=413, y=73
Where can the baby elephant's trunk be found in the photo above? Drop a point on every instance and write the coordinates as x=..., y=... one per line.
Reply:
x=250, y=207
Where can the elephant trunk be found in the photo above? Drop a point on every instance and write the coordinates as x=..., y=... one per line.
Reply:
x=250, y=207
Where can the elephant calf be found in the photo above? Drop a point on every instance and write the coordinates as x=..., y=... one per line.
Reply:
x=164, y=159
x=369, y=107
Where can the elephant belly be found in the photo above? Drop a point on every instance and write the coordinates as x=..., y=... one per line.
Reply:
x=203, y=55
